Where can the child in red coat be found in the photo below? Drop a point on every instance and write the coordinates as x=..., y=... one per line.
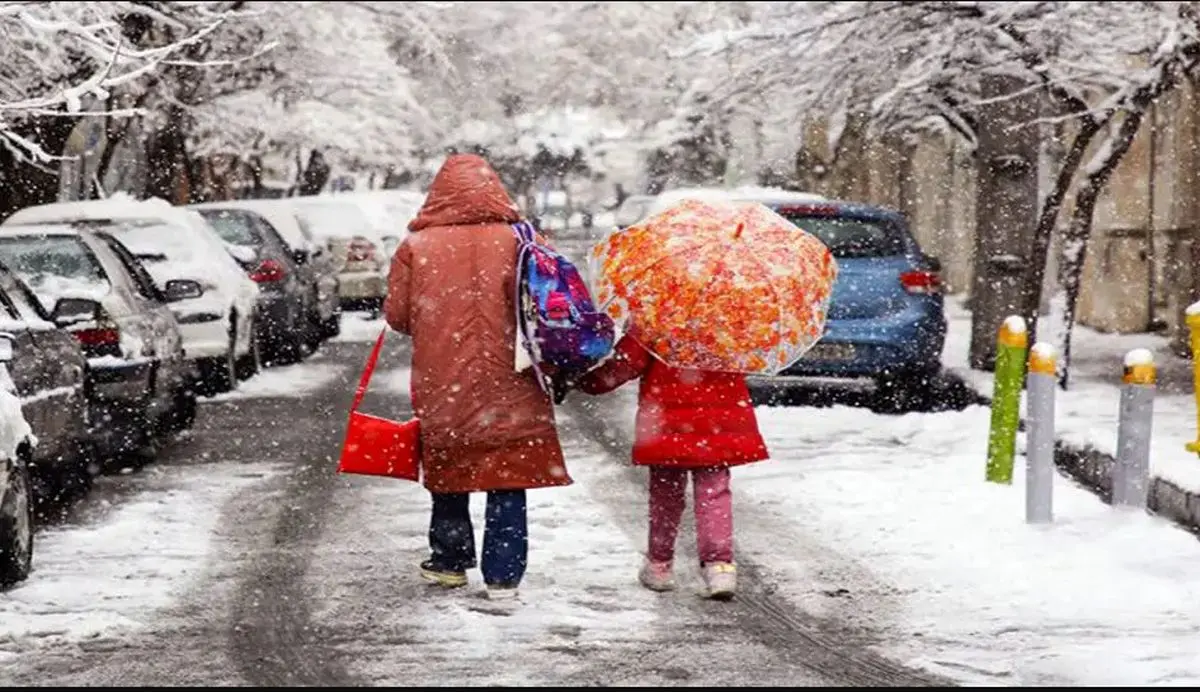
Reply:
x=687, y=420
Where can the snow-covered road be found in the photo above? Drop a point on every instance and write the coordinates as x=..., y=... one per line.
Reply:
x=866, y=543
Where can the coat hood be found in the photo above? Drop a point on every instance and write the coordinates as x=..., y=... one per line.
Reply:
x=465, y=191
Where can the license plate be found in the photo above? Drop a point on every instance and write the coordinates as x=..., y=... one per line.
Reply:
x=830, y=352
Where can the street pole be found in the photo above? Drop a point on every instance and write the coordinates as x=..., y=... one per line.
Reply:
x=1040, y=387
x=1130, y=477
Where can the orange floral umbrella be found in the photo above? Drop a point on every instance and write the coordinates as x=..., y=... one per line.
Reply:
x=717, y=285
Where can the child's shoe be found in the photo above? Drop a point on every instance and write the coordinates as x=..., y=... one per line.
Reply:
x=447, y=579
x=657, y=576
x=720, y=578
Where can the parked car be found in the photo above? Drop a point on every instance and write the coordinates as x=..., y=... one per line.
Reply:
x=287, y=304
x=176, y=244
x=886, y=318
x=46, y=370
x=357, y=248
x=313, y=260
x=139, y=383
x=16, y=484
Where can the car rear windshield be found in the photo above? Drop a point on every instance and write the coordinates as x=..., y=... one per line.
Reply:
x=848, y=237
x=234, y=228
x=52, y=264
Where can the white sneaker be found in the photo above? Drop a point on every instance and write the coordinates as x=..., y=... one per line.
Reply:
x=657, y=576
x=501, y=593
x=720, y=578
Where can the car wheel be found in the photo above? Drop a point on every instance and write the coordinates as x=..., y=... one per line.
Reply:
x=332, y=327
x=250, y=364
x=16, y=524
x=905, y=391
x=219, y=375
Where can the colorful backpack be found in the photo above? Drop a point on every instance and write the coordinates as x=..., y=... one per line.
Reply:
x=557, y=323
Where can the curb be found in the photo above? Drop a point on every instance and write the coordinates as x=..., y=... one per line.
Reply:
x=1092, y=469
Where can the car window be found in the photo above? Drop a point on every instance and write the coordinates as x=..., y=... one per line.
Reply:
x=268, y=232
x=849, y=238
x=142, y=280
x=234, y=227
x=51, y=265
x=28, y=306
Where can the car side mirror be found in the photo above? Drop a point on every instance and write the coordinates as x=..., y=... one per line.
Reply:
x=69, y=311
x=300, y=256
x=6, y=347
x=182, y=289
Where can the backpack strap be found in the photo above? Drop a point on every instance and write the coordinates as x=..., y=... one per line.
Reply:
x=524, y=232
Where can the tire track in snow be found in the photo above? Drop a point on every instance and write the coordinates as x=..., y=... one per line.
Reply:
x=828, y=648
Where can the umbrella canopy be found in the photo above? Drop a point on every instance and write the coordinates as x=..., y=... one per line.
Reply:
x=717, y=285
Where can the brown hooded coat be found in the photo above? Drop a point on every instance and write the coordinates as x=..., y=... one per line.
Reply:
x=484, y=426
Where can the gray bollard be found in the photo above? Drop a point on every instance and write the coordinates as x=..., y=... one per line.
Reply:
x=1040, y=386
x=1131, y=472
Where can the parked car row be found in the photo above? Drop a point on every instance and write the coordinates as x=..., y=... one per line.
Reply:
x=886, y=318
x=116, y=314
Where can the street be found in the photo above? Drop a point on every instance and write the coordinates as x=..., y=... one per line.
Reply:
x=258, y=565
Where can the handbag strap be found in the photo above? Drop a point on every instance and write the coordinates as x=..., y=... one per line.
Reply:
x=368, y=370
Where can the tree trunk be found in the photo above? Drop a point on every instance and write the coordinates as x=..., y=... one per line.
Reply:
x=1078, y=234
x=1043, y=232
x=1005, y=213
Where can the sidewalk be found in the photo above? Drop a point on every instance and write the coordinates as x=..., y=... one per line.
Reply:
x=1087, y=412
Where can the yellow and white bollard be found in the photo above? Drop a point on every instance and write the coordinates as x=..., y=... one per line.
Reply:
x=1041, y=383
x=1193, y=323
x=1131, y=472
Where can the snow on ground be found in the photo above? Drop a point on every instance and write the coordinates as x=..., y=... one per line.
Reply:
x=395, y=381
x=580, y=590
x=296, y=380
x=359, y=326
x=1102, y=596
x=1087, y=412
x=107, y=576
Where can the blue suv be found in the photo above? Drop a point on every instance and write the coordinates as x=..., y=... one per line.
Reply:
x=886, y=318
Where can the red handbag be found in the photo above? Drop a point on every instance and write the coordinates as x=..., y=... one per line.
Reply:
x=377, y=446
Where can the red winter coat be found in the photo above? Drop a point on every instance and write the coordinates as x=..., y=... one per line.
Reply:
x=685, y=418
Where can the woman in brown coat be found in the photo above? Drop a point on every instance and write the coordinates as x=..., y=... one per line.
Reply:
x=484, y=426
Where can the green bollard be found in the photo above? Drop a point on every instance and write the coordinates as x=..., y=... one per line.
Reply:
x=1006, y=399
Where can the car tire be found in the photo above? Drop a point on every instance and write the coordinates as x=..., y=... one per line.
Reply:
x=16, y=522
x=906, y=391
x=332, y=327
x=219, y=375
x=251, y=364
x=183, y=410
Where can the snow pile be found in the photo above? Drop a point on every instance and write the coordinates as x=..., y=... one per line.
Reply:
x=1139, y=356
x=100, y=579
x=1194, y=308
x=293, y=381
x=1100, y=597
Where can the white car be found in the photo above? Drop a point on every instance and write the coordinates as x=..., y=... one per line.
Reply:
x=177, y=243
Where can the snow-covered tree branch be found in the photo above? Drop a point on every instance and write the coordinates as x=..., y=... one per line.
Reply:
x=55, y=54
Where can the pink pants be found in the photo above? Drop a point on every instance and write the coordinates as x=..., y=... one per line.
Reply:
x=714, y=512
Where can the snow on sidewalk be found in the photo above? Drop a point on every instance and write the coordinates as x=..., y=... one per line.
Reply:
x=1100, y=597
x=1087, y=412
x=110, y=575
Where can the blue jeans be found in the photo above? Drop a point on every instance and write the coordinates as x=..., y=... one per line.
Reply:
x=505, y=535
